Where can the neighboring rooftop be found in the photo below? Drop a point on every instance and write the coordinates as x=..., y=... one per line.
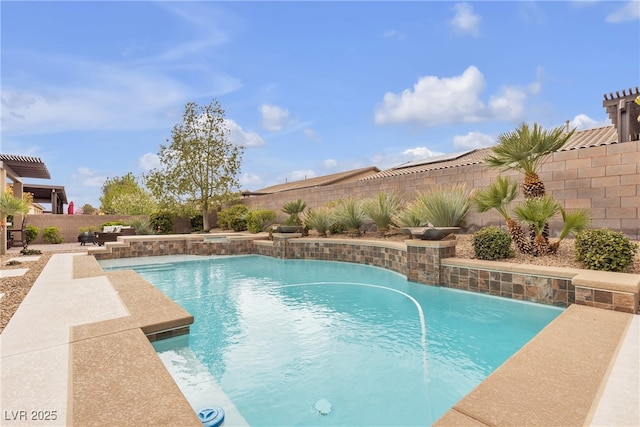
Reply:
x=340, y=177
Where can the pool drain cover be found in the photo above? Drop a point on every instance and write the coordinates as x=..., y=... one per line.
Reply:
x=323, y=406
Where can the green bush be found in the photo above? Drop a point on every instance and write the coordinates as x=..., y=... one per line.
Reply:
x=31, y=232
x=110, y=224
x=604, y=249
x=197, y=222
x=233, y=218
x=492, y=243
x=349, y=214
x=259, y=219
x=52, y=235
x=161, y=222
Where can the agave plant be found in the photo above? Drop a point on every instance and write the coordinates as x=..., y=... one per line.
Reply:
x=319, y=219
x=349, y=214
x=499, y=196
x=381, y=209
x=525, y=150
x=445, y=206
x=536, y=213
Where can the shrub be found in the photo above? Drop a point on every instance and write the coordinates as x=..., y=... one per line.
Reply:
x=142, y=226
x=445, y=206
x=111, y=223
x=604, y=249
x=319, y=219
x=492, y=243
x=233, y=218
x=381, y=209
x=31, y=232
x=197, y=222
x=259, y=219
x=294, y=209
x=161, y=222
x=350, y=215
x=52, y=235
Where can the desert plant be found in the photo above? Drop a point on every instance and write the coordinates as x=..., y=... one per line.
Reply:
x=259, y=219
x=233, y=218
x=350, y=215
x=491, y=243
x=573, y=222
x=536, y=213
x=499, y=195
x=142, y=226
x=52, y=235
x=161, y=222
x=319, y=219
x=445, y=206
x=294, y=209
x=31, y=232
x=525, y=150
x=410, y=216
x=604, y=249
x=381, y=209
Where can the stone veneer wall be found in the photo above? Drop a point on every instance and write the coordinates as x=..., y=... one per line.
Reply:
x=427, y=262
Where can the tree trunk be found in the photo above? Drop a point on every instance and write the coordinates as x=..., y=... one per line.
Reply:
x=205, y=217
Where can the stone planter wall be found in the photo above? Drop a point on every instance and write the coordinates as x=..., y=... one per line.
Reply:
x=422, y=261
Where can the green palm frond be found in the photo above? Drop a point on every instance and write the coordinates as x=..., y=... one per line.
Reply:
x=9, y=206
x=537, y=212
x=525, y=149
x=574, y=221
x=497, y=196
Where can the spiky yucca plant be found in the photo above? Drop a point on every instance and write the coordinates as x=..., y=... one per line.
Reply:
x=536, y=213
x=525, y=150
x=349, y=214
x=409, y=216
x=319, y=219
x=381, y=209
x=499, y=196
x=445, y=206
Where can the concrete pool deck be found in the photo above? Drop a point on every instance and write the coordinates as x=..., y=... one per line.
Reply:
x=582, y=369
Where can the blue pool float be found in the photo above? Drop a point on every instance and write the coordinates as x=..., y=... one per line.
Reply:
x=211, y=416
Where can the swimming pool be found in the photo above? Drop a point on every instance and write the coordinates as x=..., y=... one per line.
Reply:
x=299, y=342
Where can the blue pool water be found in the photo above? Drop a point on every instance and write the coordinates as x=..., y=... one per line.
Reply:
x=298, y=342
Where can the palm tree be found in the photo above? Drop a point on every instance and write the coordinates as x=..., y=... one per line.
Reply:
x=525, y=150
x=294, y=209
x=9, y=206
x=536, y=213
x=499, y=196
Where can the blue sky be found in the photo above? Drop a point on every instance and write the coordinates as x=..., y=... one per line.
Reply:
x=309, y=88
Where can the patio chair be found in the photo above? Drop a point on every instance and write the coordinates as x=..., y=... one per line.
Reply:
x=22, y=231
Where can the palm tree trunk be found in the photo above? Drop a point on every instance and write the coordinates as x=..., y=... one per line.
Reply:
x=518, y=236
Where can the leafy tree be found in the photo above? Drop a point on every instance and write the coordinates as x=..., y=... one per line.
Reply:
x=87, y=209
x=123, y=195
x=200, y=164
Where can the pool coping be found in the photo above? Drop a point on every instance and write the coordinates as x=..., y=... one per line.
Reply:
x=170, y=392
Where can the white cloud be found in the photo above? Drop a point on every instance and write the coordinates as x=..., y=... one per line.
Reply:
x=465, y=21
x=330, y=164
x=238, y=136
x=472, y=140
x=94, y=181
x=310, y=133
x=582, y=121
x=250, y=179
x=273, y=117
x=394, y=34
x=389, y=160
x=149, y=161
x=302, y=174
x=437, y=101
x=629, y=12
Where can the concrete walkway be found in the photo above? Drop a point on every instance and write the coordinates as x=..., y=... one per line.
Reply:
x=34, y=349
